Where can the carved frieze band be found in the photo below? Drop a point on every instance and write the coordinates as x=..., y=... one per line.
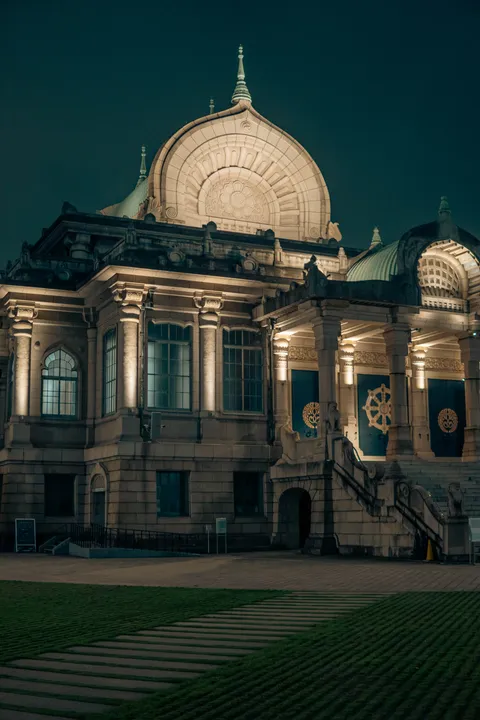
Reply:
x=447, y=364
x=363, y=357
x=303, y=354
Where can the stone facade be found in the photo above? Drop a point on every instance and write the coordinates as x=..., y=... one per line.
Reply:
x=227, y=241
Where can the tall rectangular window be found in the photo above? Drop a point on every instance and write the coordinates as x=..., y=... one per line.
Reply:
x=169, y=366
x=110, y=371
x=172, y=494
x=242, y=371
x=248, y=494
x=59, y=495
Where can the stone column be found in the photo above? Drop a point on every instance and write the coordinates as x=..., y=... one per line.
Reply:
x=280, y=368
x=470, y=354
x=130, y=303
x=397, y=337
x=326, y=329
x=421, y=433
x=347, y=389
x=22, y=333
x=209, y=319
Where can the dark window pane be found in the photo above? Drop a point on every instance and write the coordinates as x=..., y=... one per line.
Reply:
x=172, y=493
x=59, y=496
x=248, y=493
x=170, y=367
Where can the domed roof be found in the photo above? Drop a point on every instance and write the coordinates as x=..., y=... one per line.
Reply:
x=237, y=169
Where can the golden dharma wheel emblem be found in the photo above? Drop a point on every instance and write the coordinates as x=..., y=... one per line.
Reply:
x=311, y=414
x=447, y=420
x=378, y=408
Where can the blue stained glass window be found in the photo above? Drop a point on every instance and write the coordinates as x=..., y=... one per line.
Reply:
x=110, y=371
x=169, y=369
x=59, y=385
x=242, y=371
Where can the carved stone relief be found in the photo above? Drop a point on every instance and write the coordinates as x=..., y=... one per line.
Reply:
x=304, y=354
x=363, y=357
x=239, y=199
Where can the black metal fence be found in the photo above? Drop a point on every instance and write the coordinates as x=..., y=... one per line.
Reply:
x=130, y=539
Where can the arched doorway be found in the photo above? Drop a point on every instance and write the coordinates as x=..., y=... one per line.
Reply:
x=98, y=501
x=295, y=512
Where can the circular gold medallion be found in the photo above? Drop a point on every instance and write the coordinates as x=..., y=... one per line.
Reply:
x=378, y=408
x=311, y=414
x=447, y=420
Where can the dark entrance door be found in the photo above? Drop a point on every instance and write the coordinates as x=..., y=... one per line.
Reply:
x=446, y=405
x=98, y=508
x=304, y=517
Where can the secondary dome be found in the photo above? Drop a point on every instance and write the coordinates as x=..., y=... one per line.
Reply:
x=237, y=169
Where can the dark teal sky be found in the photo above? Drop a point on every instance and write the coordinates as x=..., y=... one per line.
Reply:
x=383, y=94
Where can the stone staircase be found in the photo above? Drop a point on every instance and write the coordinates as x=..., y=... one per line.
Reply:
x=436, y=475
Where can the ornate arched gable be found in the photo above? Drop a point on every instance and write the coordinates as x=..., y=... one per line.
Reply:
x=242, y=172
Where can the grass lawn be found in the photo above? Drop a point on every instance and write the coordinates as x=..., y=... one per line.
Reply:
x=45, y=617
x=414, y=656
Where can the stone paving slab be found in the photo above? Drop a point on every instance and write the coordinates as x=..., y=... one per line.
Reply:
x=125, y=650
x=51, y=703
x=128, y=661
x=185, y=640
x=21, y=715
x=75, y=690
x=88, y=680
x=102, y=670
x=166, y=644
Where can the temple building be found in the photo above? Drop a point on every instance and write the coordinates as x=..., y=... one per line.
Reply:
x=210, y=347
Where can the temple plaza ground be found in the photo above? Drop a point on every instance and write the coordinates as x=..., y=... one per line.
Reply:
x=258, y=636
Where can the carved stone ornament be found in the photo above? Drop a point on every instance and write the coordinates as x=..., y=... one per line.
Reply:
x=455, y=496
x=238, y=199
x=303, y=354
x=249, y=264
x=128, y=296
x=448, y=364
x=176, y=256
x=208, y=303
x=374, y=359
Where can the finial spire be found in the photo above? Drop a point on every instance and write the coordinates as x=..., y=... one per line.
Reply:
x=444, y=206
x=241, y=92
x=212, y=106
x=143, y=166
x=376, y=239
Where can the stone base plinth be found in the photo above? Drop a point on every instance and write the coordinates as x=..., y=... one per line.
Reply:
x=471, y=444
x=17, y=434
x=399, y=441
x=456, y=542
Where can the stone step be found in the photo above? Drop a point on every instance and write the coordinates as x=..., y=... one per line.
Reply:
x=51, y=703
x=8, y=714
x=166, y=645
x=107, y=662
x=224, y=629
x=274, y=615
x=240, y=623
x=186, y=640
x=102, y=670
x=81, y=680
x=129, y=650
x=74, y=690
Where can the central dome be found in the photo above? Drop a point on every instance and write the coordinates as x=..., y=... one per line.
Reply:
x=237, y=169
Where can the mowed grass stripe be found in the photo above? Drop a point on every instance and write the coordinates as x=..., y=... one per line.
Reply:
x=409, y=656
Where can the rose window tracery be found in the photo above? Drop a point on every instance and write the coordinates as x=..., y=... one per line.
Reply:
x=237, y=199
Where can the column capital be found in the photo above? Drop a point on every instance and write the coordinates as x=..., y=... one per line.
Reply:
x=130, y=301
x=208, y=303
x=280, y=346
x=23, y=317
x=347, y=351
x=397, y=338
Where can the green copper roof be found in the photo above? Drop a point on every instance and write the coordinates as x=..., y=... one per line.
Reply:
x=129, y=206
x=379, y=264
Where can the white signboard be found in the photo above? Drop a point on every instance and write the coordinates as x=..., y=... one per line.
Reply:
x=221, y=529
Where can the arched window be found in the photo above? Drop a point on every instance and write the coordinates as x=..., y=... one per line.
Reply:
x=169, y=366
x=59, y=385
x=110, y=371
x=242, y=371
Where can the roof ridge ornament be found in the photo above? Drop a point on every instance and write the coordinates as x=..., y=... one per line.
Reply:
x=212, y=106
x=241, y=92
x=376, y=238
x=143, y=166
x=444, y=206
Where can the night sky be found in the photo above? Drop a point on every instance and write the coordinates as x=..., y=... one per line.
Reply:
x=383, y=94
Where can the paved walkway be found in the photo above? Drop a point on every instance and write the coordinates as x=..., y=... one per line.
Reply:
x=289, y=571
x=91, y=679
